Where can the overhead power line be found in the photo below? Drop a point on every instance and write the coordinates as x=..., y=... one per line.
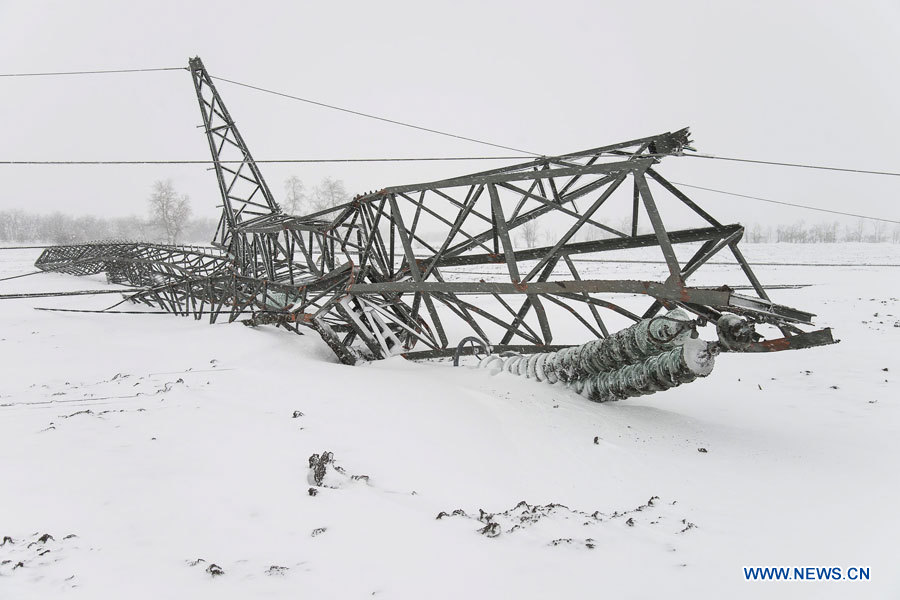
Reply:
x=478, y=141
x=274, y=160
x=437, y=132
x=386, y=120
x=22, y=275
x=283, y=95
x=795, y=165
x=804, y=206
x=376, y=117
x=97, y=72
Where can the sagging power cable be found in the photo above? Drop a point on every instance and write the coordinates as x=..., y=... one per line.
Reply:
x=387, y=120
x=96, y=72
x=804, y=206
x=273, y=160
x=437, y=132
x=794, y=165
x=376, y=117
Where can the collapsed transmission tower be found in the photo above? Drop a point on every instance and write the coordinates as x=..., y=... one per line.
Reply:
x=385, y=274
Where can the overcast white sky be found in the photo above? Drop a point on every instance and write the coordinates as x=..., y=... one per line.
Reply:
x=809, y=82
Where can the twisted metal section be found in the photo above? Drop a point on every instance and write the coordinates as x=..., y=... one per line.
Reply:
x=245, y=194
x=385, y=273
x=134, y=263
x=82, y=259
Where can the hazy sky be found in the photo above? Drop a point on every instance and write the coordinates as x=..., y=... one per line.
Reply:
x=809, y=82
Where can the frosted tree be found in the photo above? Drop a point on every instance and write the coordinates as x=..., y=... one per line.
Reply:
x=855, y=232
x=879, y=232
x=529, y=233
x=329, y=193
x=754, y=234
x=168, y=210
x=294, y=196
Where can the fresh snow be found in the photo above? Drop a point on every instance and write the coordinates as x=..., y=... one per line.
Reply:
x=151, y=447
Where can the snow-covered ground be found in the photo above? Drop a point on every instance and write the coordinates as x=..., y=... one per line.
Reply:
x=151, y=448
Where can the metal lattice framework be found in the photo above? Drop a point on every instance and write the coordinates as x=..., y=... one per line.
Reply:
x=385, y=273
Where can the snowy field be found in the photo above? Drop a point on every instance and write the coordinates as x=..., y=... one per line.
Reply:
x=148, y=456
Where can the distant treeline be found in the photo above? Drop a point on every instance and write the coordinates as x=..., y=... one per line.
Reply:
x=18, y=227
x=169, y=218
x=801, y=232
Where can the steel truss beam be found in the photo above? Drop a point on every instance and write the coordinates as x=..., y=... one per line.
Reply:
x=384, y=273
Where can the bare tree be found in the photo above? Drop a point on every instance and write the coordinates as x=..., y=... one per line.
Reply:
x=818, y=233
x=294, y=196
x=168, y=210
x=201, y=229
x=18, y=226
x=782, y=232
x=61, y=228
x=879, y=231
x=855, y=233
x=590, y=233
x=129, y=228
x=57, y=228
x=799, y=233
x=550, y=237
x=754, y=234
x=329, y=193
x=529, y=233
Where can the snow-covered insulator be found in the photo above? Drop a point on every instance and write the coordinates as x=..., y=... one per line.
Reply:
x=647, y=337
x=683, y=364
x=650, y=356
x=633, y=344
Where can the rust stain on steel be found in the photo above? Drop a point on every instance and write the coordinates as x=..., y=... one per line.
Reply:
x=776, y=345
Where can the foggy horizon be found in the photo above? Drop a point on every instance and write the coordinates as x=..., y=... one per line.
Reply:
x=798, y=84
